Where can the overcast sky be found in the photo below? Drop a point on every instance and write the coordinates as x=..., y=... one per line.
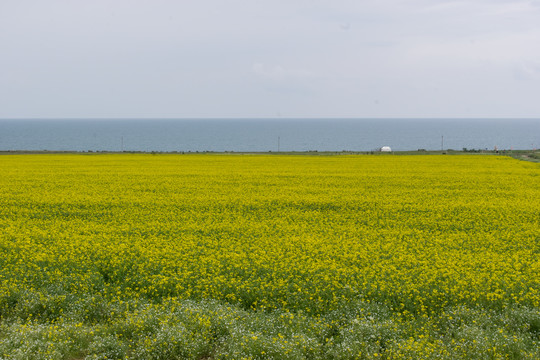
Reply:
x=269, y=58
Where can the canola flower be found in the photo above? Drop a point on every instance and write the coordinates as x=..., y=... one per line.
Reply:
x=271, y=256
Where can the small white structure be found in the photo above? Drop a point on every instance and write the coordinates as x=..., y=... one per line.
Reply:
x=386, y=149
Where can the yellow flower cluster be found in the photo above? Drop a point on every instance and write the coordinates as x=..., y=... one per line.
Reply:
x=418, y=233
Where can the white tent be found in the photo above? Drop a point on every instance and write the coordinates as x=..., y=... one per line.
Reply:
x=386, y=149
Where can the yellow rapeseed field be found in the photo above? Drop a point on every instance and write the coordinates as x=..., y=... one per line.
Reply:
x=417, y=251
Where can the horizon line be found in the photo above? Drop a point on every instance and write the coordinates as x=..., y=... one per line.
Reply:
x=270, y=118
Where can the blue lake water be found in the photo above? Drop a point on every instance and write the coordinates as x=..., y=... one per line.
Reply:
x=263, y=135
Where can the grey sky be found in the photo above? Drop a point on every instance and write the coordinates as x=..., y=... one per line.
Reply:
x=268, y=58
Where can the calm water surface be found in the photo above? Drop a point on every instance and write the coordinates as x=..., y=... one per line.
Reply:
x=268, y=134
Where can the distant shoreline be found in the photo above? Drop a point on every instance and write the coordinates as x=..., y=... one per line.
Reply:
x=529, y=155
